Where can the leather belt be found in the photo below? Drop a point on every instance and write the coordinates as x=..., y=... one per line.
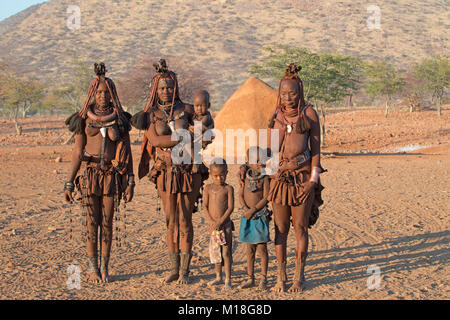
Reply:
x=300, y=158
x=86, y=157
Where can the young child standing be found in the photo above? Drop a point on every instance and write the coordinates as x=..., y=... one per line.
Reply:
x=254, y=229
x=218, y=206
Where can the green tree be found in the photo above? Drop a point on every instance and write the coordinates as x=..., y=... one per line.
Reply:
x=383, y=80
x=435, y=74
x=73, y=95
x=327, y=78
x=413, y=89
x=19, y=94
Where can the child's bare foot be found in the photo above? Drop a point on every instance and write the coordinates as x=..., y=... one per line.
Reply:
x=184, y=279
x=105, y=277
x=263, y=284
x=171, y=277
x=297, y=286
x=227, y=284
x=280, y=286
x=215, y=282
x=250, y=283
x=93, y=277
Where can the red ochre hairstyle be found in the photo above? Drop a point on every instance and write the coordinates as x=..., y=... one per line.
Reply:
x=100, y=71
x=291, y=73
x=162, y=72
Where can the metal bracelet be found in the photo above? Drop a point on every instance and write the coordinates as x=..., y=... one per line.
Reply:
x=69, y=186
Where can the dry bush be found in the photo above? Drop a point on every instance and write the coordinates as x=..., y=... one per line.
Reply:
x=134, y=87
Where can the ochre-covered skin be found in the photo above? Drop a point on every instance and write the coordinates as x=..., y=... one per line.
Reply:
x=177, y=199
x=218, y=206
x=177, y=185
x=292, y=191
x=252, y=200
x=98, y=185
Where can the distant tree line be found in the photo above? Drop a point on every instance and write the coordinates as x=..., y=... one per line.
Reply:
x=22, y=96
x=329, y=80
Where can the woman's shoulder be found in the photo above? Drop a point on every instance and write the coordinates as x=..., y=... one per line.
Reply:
x=124, y=122
x=181, y=108
x=311, y=113
x=188, y=108
x=76, y=123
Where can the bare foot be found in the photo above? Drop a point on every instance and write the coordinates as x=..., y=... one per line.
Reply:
x=215, y=282
x=227, y=284
x=183, y=280
x=93, y=277
x=297, y=286
x=105, y=277
x=263, y=284
x=250, y=283
x=171, y=277
x=280, y=286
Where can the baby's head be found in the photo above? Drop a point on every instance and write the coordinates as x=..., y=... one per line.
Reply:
x=218, y=170
x=201, y=102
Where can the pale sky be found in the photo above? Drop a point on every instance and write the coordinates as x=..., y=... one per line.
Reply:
x=11, y=7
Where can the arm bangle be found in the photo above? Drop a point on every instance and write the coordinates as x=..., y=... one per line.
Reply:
x=315, y=174
x=69, y=186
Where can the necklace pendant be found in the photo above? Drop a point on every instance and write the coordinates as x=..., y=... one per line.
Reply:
x=289, y=128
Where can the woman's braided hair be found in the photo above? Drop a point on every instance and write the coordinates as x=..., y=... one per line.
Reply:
x=162, y=72
x=291, y=73
x=100, y=71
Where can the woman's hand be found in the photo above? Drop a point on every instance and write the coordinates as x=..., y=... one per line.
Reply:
x=241, y=175
x=308, y=187
x=129, y=193
x=68, y=196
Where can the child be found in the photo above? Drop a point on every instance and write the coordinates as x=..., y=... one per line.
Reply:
x=201, y=113
x=218, y=206
x=254, y=228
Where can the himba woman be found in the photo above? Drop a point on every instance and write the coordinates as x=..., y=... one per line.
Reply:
x=295, y=189
x=177, y=184
x=102, y=144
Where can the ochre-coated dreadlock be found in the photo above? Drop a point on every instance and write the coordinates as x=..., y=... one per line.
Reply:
x=100, y=71
x=291, y=73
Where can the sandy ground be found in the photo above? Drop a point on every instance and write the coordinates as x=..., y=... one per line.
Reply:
x=387, y=210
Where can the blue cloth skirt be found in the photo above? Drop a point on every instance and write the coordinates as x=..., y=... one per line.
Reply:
x=255, y=230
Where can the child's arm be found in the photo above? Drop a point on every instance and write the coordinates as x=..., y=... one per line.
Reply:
x=206, y=206
x=227, y=214
x=263, y=202
x=242, y=199
x=210, y=123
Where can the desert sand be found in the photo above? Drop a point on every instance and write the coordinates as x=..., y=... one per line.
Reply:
x=382, y=207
